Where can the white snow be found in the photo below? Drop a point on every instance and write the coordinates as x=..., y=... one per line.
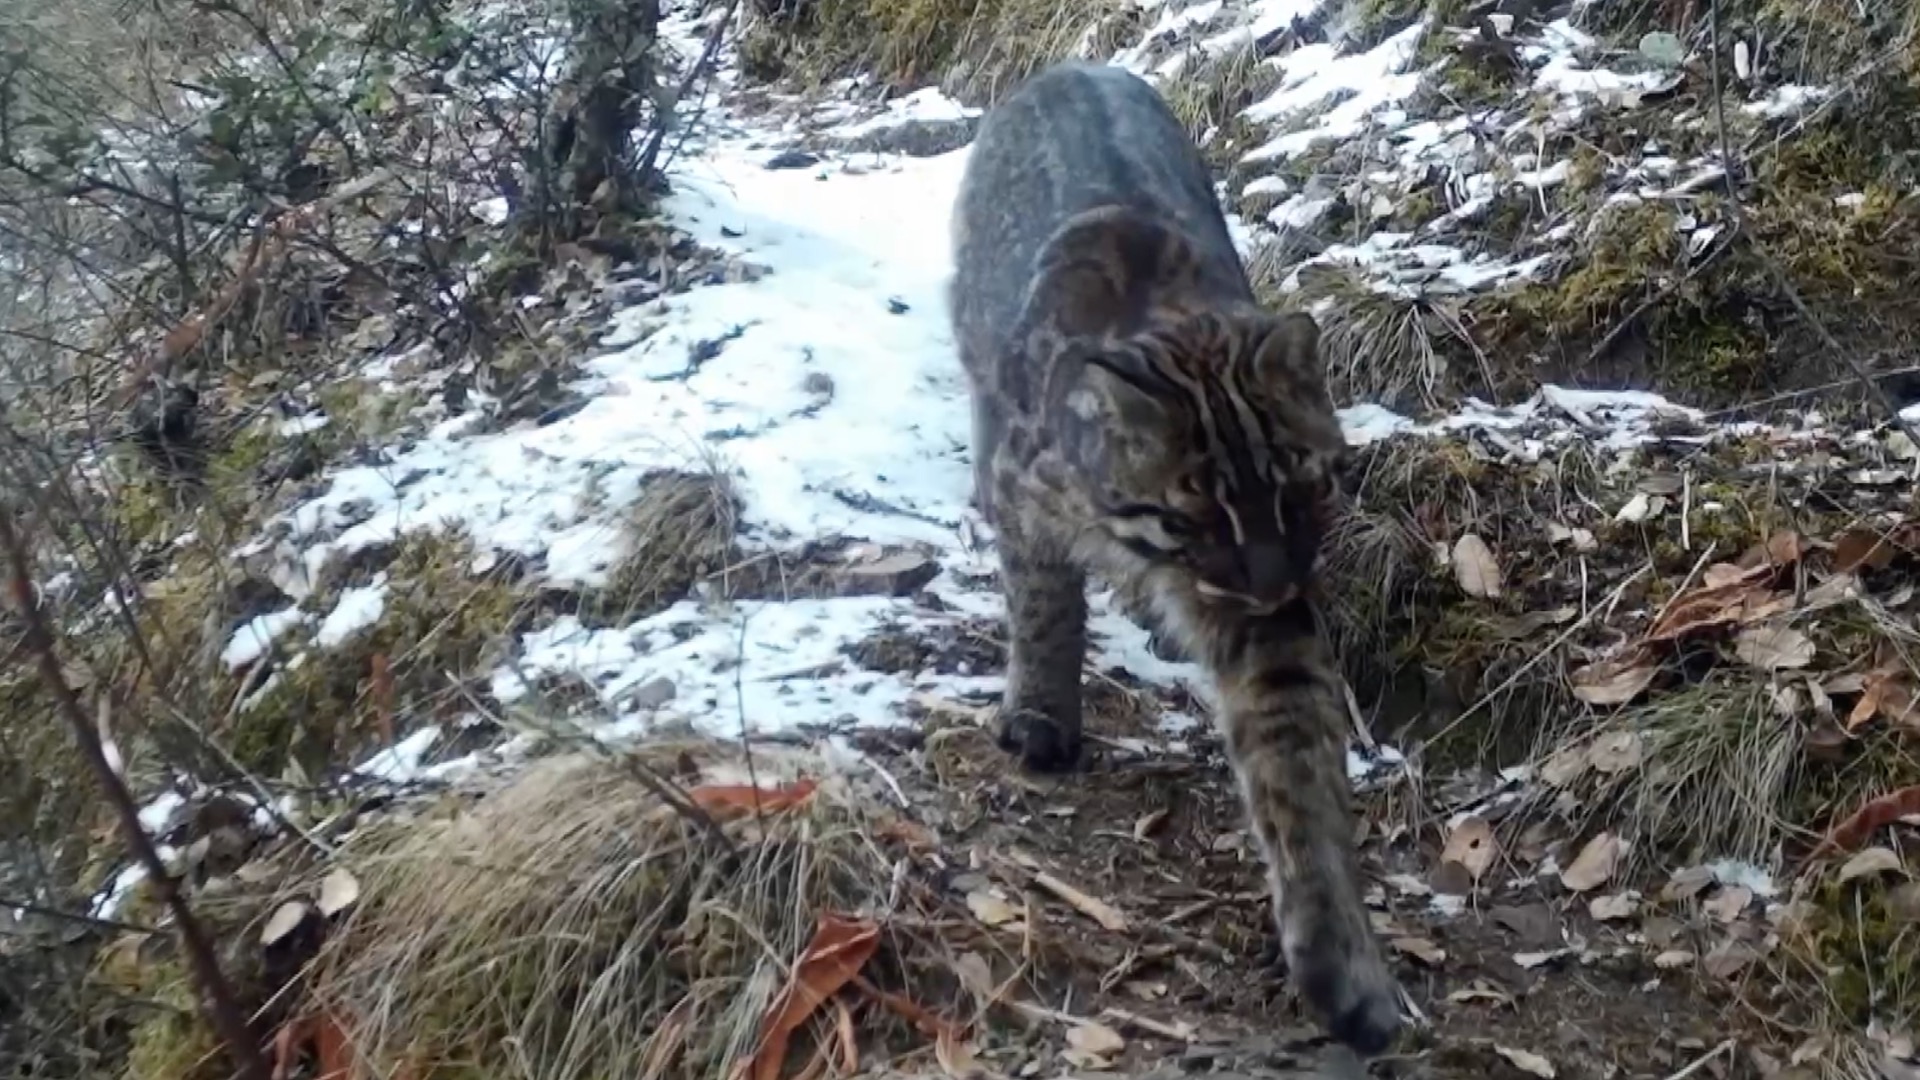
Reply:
x=357, y=609
x=828, y=389
x=254, y=637
x=1363, y=86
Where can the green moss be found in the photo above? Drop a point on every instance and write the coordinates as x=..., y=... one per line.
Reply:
x=439, y=624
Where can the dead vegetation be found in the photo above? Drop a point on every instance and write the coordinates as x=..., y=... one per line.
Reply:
x=578, y=921
x=975, y=51
x=679, y=531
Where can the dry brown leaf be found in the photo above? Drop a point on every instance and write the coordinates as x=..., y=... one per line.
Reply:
x=1594, y=865
x=1472, y=845
x=840, y=947
x=1616, y=752
x=1421, y=949
x=990, y=909
x=1527, y=1061
x=1783, y=548
x=1871, y=862
x=1097, y=1039
x=1474, y=567
x=1773, y=648
x=1886, y=692
x=338, y=891
x=1609, y=908
x=1862, y=548
x=1727, y=904
x=743, y=800
x=1565, y=766
x=1618, y=680
x=1873, y=815
x=1688, y=883
x=1728, y=958
x=285, y=919
x=1723, y=601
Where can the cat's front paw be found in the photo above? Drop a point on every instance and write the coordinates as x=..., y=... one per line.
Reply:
x=1343, y=976
x=1044, y=744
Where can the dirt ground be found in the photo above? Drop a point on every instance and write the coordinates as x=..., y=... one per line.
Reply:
x=1513, y=979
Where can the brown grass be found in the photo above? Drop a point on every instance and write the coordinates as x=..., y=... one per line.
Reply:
x=571, y=924
x=678, y=532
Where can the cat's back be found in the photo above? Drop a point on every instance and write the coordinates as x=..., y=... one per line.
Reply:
x=1075, y=137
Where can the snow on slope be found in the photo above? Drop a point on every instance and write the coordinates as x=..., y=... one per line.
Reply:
x=828, y=386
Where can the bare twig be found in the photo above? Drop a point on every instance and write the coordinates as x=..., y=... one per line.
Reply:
x=657, y=138
x=223, y=1011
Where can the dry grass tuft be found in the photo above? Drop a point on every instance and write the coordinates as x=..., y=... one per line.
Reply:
x=572, y=924
x=1381, y=347
x=977, y=51
x=1720, y=772
x=679, y=531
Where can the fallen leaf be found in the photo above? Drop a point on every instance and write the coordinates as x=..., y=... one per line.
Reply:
x=1616, y=752
x=1888, y=693
x=1773, y=648
x=1871, y=862
x=840, y=947
x=1472, y=845
x=285, y=919
x=1527, y=1061
x=1784, y=548
x=1616, y=681
x=338, y=891
x=990, y=909
x=1608, y=908
x=1421, y=949
x=1674, y=958
x=1861, y=548
x=1727, y=904
x=1474, y=567
x=740, y=800
x=1732, y=596
x=1728, y=958
x=1565, y=766
x=1688, y=883
x=1873, y=815
x=1594, y=865
x=1097, y=1039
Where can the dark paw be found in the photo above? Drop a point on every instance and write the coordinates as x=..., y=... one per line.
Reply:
x=1042, y=743
x=1352, y=990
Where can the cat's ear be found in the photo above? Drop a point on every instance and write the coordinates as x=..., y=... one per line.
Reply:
x=1095, y=261
x=1286, y=352
x=1111, y=384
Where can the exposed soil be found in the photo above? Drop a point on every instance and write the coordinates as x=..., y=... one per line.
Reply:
x=1160, y=838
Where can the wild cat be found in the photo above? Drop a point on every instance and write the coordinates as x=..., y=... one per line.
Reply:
x=1138, y=414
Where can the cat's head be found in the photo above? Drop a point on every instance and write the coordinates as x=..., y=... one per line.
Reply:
x=1210, y=444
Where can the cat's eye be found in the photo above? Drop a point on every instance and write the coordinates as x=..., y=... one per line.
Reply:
x=1179, y=528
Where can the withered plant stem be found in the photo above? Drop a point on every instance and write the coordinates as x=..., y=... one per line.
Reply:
x=223, y=1011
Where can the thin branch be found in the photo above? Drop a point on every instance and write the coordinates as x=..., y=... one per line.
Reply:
x=223, y=1011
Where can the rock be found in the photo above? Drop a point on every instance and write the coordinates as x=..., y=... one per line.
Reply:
x=902, y=573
